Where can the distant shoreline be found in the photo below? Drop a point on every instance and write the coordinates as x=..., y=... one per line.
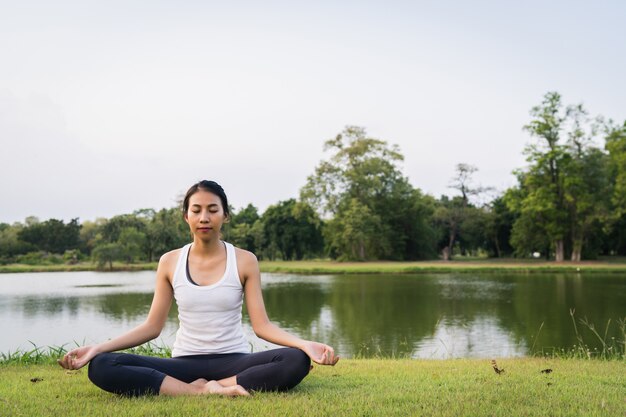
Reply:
x=381, y=267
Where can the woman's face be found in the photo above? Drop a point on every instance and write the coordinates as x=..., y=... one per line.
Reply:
x=205, y=215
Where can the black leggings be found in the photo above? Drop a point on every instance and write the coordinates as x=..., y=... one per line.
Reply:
x=128, y=374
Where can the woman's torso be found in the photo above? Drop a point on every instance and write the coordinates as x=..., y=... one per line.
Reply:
x=209, y=315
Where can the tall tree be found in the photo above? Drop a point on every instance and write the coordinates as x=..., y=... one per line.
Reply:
x=564, y=186
x=544, y=181
x=615, y=144
x=585, y=181
x=458, y=214
x=360, y=167
x=362, y=172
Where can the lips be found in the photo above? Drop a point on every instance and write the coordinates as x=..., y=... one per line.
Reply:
x=204, y=229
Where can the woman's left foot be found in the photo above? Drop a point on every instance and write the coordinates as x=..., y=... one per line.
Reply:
x=214, y=387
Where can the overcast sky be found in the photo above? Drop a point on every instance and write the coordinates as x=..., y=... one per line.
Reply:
x=111, y=106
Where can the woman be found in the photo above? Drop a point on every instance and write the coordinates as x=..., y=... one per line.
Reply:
x=208, y=278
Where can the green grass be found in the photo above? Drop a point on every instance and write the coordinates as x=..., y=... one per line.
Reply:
x=49, y=355
x=81, y=266
x=482, y=265
x=380, y=387
x=333, y=267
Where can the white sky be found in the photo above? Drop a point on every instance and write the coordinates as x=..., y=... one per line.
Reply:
x=111, y=106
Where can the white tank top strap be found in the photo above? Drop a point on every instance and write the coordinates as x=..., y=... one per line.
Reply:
x=232, y=272
x=181, y=265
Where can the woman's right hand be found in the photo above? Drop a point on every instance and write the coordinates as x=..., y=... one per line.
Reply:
x=79, y=357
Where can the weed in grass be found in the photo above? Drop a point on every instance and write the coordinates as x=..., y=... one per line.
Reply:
x=611, y=348
x=49, y=355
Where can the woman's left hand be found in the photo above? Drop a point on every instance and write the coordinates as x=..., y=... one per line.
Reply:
x=320, y=353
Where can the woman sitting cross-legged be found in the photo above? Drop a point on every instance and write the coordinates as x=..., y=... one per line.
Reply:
x=208, y=278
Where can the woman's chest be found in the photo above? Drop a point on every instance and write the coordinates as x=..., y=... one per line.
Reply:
x=209, y=300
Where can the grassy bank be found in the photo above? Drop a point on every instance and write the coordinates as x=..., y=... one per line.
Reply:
x=81, y=266
x=504, y=265
x=353, y=387
x=332, y=267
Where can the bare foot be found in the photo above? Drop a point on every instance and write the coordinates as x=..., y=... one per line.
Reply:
x=199, y=382
x=214, y=387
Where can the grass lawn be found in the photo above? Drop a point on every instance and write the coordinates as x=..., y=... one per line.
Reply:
x=617, y=264
x=381, y=387
x=475, y=265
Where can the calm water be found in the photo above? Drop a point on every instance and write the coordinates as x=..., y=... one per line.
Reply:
x=425, y=316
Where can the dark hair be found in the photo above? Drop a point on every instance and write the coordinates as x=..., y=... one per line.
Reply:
x=210, y=186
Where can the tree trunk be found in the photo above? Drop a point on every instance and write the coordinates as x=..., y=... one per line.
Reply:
x=451, y=244
x=577, y=250
x=446, y=253
x=559, y=250
x=495, y=240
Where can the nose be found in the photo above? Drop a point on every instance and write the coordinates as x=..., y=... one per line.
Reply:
x=204, y=217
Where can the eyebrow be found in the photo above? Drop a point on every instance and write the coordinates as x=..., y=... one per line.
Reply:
x=209, y=205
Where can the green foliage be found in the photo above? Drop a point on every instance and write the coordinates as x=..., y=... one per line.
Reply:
x=39, y=258
x=291, y=231
x=107, y=253
x=562, y=195
x=616, y=221
x=52, y=235
x=356, y=233
x=10, y=243
x=363, y=189
x=498, y=224
x=246, y=229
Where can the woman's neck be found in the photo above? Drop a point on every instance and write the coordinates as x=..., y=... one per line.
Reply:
x=211, y=247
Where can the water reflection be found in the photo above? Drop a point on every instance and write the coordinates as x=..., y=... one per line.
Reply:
x=429, y=316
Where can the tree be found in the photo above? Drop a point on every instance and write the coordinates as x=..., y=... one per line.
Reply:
x=355, y=233
x=449, y=215
x=360, y=167
x=131, y=242
x=292, y=230
x=546, y=194
x=499, y=222
x=361, y=179
x=458, y=214
x=10, y=243
x=112, y=229
x=107, y=253
x=565, y=184
x=166, y=230
x=615, y=223
x=52, y=236
x=528, y=234
x=242, y=232
x=90, y=234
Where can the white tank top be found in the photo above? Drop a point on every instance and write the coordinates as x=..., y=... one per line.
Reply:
x=209, y=315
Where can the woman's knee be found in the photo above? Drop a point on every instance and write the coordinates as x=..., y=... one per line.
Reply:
x=301, y=362
x=100, y=367
x=299, y=365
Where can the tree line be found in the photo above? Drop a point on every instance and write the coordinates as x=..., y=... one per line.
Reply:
x=569, y=202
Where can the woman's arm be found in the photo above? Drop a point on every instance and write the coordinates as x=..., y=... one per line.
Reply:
x=249, y=267
x=148, y=330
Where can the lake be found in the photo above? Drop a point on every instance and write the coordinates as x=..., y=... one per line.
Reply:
x=422, y=316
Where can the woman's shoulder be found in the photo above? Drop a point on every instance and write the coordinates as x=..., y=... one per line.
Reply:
x=245, y=259
x=168, y=260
